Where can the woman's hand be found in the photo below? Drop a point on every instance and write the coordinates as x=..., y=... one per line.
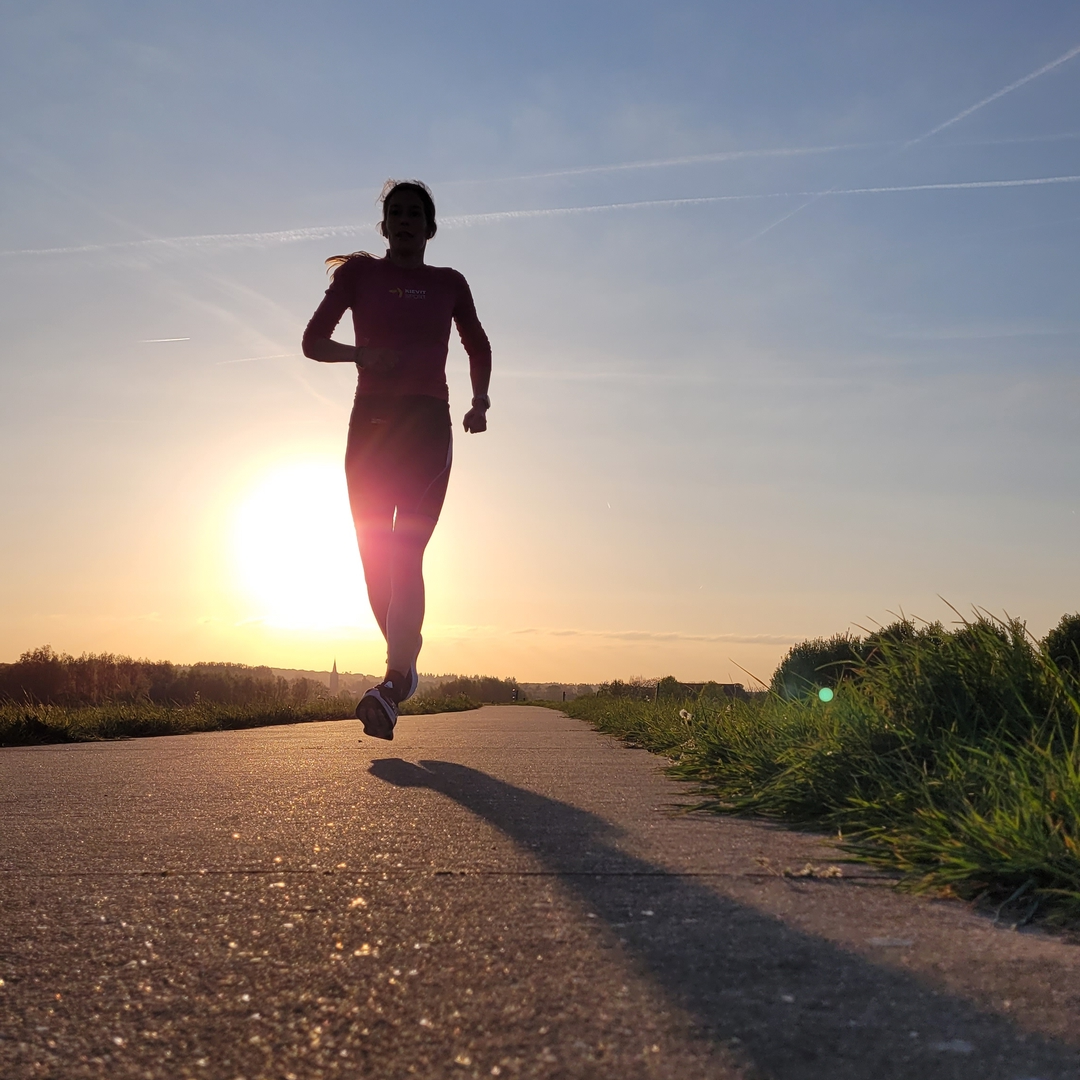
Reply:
x=476, y=420
x=376, y=359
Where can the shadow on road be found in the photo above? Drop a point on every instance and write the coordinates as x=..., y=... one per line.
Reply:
x=797, y=1006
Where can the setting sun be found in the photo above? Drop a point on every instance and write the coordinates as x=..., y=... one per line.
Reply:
x=294, y=550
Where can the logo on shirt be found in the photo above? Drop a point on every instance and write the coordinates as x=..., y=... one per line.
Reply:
x=410, y=294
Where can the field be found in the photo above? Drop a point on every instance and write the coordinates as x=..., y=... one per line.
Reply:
x=28, y=724
x=952, y=757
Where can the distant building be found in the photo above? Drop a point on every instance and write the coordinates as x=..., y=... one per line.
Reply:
x=334, y=678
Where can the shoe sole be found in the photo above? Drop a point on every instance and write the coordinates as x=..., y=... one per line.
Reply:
x=373, y=716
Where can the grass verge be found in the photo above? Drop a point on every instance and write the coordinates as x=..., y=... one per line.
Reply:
x=24, y=725
x=952, y=757
x=437, y=703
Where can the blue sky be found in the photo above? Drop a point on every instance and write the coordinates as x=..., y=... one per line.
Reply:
x=717, y=426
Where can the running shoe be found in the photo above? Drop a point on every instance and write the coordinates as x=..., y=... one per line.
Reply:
x=377, y=711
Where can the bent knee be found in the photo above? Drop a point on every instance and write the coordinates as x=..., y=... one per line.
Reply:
x=412, y=529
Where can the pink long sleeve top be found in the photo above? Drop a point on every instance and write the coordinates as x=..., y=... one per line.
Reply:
x=409, y=311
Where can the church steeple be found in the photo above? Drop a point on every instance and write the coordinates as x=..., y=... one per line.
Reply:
x=334, y=678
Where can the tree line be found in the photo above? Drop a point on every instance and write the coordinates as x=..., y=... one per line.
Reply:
x=44, y=677
x=484, y=688
x=671, y=689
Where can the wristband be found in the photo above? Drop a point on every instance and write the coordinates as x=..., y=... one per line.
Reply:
x=481, y=401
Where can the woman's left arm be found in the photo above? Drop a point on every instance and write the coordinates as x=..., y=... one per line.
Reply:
x=478, y=348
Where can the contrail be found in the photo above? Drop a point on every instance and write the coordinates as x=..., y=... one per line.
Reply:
x=693, y=159
x=735, y=155
x=160, y=340
x=324, y=232
x=1075, y=51
x=248, y=359
x=464, y=220
x=290, y=236
x=508, y=215
x=810, y=196
x=941, y=127
x=252, y=239
x=1033, y=182
x=780, y=221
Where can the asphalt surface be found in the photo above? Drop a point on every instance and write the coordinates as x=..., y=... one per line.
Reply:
x=499, y=893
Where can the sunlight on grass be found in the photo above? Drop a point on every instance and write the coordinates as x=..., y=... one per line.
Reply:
x=951, y=756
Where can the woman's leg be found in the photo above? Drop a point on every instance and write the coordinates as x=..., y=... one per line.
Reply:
x=405, y=611
x=375, y=537
x=398, y=455
x=371, y=499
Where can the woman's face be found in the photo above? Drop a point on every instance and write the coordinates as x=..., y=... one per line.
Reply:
x=405, y=223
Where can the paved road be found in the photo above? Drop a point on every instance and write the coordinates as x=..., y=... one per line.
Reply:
x=501, y=893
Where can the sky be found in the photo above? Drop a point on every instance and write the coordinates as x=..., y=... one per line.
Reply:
x=782, y=298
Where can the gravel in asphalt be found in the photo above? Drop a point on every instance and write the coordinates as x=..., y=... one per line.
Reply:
x=498, y=893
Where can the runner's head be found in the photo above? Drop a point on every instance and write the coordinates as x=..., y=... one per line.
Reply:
x=408, y=220
x=404, y=203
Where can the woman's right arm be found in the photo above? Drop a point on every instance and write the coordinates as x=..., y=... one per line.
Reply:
x=317, y=344
x=330, y=352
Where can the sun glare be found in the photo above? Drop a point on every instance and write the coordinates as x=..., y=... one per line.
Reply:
x=294, y=549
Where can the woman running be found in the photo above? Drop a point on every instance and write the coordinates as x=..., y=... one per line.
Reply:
x=397, y=459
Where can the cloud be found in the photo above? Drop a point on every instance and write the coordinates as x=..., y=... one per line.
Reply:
x=661, y=636
x=447, y=631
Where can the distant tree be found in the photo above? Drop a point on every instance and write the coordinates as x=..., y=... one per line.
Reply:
x=1062, y=644
x=483, y=688
x=670, y=687
x=816, y=663
x=304, y=690
x=41, y=676
x=637, y=689
x=46, y=677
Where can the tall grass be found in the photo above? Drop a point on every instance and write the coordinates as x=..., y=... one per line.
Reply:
x=951, y=756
